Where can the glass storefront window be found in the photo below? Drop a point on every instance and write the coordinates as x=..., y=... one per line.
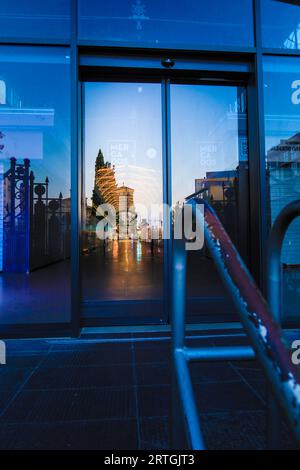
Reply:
x=282, y=140
x=281, y=24
x=35, y=19
x=34, y=185
x=159, y=23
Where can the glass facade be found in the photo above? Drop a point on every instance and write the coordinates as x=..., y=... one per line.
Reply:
x=34, y=185
x=161, y=23
x=282, y=143
x=130, y=124
x=35, y=19
x=281, y=24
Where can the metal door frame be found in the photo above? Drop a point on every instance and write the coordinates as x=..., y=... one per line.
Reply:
x=205, y=69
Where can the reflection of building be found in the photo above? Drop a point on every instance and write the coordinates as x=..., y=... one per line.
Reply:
x=220, y=189
x=219, y=185
x=36, y=227
x=126, y=198
x=126, y=211
x=283, y=166
x=285, y=153
x=106, y=191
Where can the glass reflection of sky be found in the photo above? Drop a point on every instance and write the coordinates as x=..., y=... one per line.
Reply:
x=38, y=78
x=282, y=115
x=282, y=122
x=124, y=120
x=164, y=22
x=280, y=24
x=128, y=115
x=205, y=131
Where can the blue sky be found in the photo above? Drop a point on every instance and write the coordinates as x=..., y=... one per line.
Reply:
x=124, y=120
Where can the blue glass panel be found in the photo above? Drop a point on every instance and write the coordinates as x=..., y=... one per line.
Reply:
x=167, y=23
x=35, y=19
x=282, y=127
x=281, y=23
x=34, y=184
x=123, y=169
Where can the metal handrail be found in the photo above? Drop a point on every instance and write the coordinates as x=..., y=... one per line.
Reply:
x=274, y=270
x=264, y=333
x=274, y=296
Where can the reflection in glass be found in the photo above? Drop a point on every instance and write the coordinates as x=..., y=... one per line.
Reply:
x=123, y=169
x=281, y=24
x=210, y=158
x=164, y=23
x=35, y=19
x=282, y=142
x=34, y=185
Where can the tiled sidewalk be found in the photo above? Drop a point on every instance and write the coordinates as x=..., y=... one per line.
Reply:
x=80, y=394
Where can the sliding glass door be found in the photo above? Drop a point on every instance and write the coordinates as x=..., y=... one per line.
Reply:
x=209, y=153
x=146, y=147
x=122, y=226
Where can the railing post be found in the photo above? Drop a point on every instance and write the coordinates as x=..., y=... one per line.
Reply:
x=274, y=294
x=178, y=334
x=274, y=272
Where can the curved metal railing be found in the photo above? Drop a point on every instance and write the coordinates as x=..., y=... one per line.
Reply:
x=263, y=331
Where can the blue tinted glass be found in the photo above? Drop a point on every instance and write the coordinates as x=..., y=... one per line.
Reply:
x=35, y=19
x=282, y=127
x=163, y=22
x=123, y=169
x=281, y=23
x=34, y=184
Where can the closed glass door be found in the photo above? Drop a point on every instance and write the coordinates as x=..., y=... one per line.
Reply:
x=122, y=226
x=147, y=147
x=209, y=156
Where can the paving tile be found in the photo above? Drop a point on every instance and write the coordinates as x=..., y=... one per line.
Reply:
x=240, y=431
x=160, y=373
x=25, y=359
x=154, y=401
x=232, y=431
x=226, y=396
x=155, y=434
x=12, y=377
x=251, y=370
x=106, y=354
x=260, y=388
x=82, y=397
x=212, y=372
x=66, y=405
x=81, y=377
x=11, y=380
x=156, y=351
x=153, y=374
x=93, y=435
x=6, y=395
